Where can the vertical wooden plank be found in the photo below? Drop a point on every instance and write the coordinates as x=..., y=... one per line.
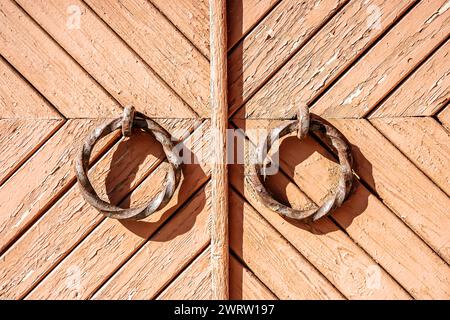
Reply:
x=219, y=173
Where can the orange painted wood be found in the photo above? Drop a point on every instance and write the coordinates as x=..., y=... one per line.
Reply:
x=19, y=139
x=277, y=38
x=112, y=243
x=165, y=50
x=191, y=17
x=272, y=258
x=244, y=285
x=425, y=92
x=219, y=169
x=329, y=249
x=415, y=199
x=118, y=69
x=44, y=178
x=18, y=99
x=321, y=60
x=424, y=142
x=388, y=63
x=365, y=218
x=158, y=262
x=194, y=283
x=50, y=69
x=71, y=219
x=444, y=117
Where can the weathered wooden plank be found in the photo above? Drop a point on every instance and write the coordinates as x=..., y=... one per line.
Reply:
x=322, y=60
x=244, y=285
x=394, y=246
x=158, y=262
x=273, y=259
x=118, y=69
x=425, y=92
x=112, y=243
x=165, y=50
x=19, y=139
x=49, y=68
x=42, y=179
x=219, y=168
x=18, y=99
x=243, y=15
x=424, y=142
x=71, y=218
x=404, y=188
x=444, y=117
x=389, y=62
x=272, y=42
x=194, y=283
x=329, y=249
x=191, y=18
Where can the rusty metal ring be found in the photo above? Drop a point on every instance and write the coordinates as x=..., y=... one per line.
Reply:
x=170, y=184
x=333, y=200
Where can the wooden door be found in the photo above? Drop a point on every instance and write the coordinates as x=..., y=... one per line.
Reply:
x=378, y=70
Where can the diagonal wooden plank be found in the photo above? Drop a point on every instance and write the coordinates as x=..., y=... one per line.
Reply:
x=191, y=17
x=165, y=50
x=424, y=142
x=273, y=259
x=49, y=68
x=244, y=285
x=314, y=68
x=389, y=62
x=328, y=248
x=280, y=35
x=394, y=246
x=194, y=283
x=158, y=262
x=425, y=92
x=444, y=117
x=112, y=243
x=118, y=69
x=42, y=179
x=20, y=138
x=404, y=188
x=18, y=99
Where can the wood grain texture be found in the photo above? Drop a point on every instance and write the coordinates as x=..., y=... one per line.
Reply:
x=328, y=248
x=219, y=170
x=344, y=38
x=388, y=63
x=49, y=68
x=272, y=258
x=425, y=92
x=112, y=243
x=71, y=219
x=116, y=68
x=404, y=188
x=18, y=99
x=281, y=34
x=424, y=142
x=191, y=17
x=44, y=178
x=368, y=222
x=166, y=254
x=444, y=117
x=19, y=139
x=164, y=49
x=194, y=283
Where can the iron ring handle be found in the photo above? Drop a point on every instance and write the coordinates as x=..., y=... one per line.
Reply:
x=171, y=181
x=335, y=199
